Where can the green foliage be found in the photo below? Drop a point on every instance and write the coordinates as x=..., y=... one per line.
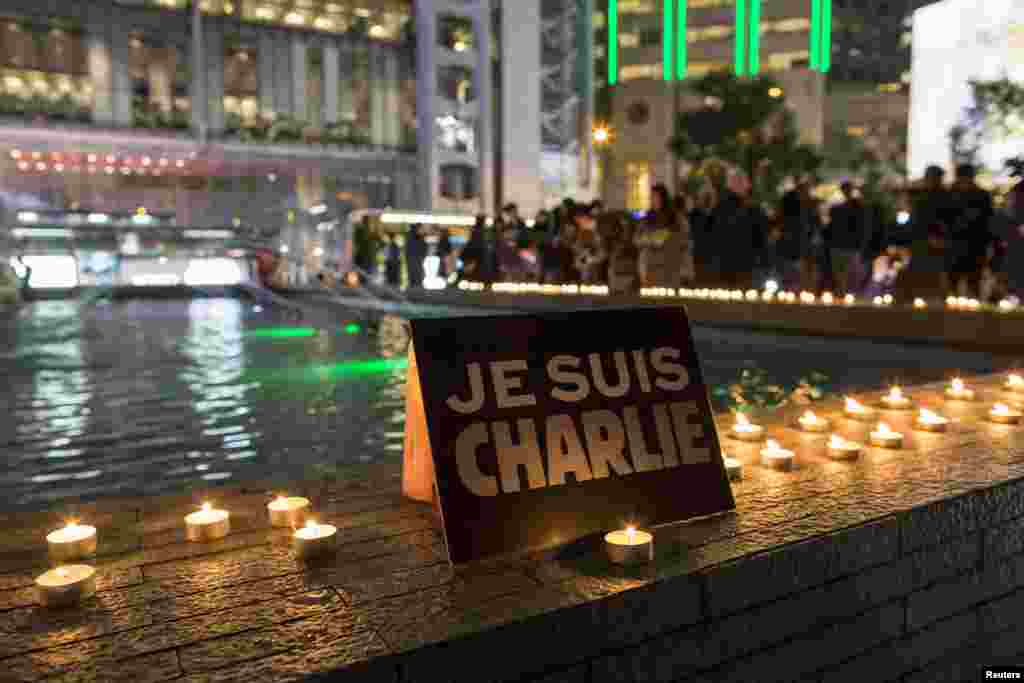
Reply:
x=745, y=127
x=998, y=112
x=755, y=390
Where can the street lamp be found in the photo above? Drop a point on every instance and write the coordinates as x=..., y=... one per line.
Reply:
x=602, y=135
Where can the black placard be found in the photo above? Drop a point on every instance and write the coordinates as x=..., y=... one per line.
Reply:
x=638, y=448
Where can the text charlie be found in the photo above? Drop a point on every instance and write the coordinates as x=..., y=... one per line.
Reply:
x=610, y=441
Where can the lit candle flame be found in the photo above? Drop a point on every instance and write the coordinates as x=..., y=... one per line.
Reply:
x=742, y=421
x=895, y=394
x=773, y=446
x=1015, y=380
x=631, y=532
x=61, y=571
x=71, y=525
x=311, y=524
x=958, y=385
x=1000, y=409
x=836, y=442
x=854, y=406
x=206, y=507
x=809, y=417
x=930, y=417
x=884, y=430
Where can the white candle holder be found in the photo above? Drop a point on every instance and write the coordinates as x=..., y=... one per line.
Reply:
x=743, y=430
x=930, y=422
x=883, y=437
x=66, y=585
x=288, y=512
x=314, y=540
x=73, y=542
x=897, y=400
x=841, y=449
x=733, y=468
x=776, y=457
x=1015, y=384
x=858, y=411
x=207, y=524
x=958, y=391
x=629, y=546
x=1004, y=415
x=809, y=422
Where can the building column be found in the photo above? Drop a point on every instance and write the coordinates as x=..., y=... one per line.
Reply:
x=485, y=129
x=300, y=72
x=120, y=79
x=101, y=76
x=426, y=87
x=331, y=78
x=392, y=100
x=521, y=106
x=283, y=89
x=265, y=73
x=346, y=98
x=378, y=88
x=214, y=59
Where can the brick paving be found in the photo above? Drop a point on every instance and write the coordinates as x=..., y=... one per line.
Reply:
x=243, y=608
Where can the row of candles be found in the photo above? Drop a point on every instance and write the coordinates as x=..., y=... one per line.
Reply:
x=70, y=583
x=632, y=546
x=768, y=295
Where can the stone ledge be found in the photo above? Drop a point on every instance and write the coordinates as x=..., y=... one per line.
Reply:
x=829, y=548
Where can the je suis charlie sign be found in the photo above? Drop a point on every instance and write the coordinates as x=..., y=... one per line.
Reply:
x=531, y=431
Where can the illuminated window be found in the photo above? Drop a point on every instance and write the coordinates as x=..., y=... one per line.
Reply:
x=698, y=69
x=635, y=72
x=697, y=4
x=636, y=6
x=782, y=61
x=629, y=40
x=890, y=87
x=786, y=26
x=718, y=32
x=856, y=131
x=638, y=186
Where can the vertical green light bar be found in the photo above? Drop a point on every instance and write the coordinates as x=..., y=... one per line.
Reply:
x=666, y=40
x=754, y=42
x=740, y=56
x=613, y=42
x=826, y=36
x=681, y=55
x=815, y=33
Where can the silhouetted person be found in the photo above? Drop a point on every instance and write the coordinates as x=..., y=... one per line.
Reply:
x=415, y=253
x=393, y=263
x=848, y=228
x=970, y=231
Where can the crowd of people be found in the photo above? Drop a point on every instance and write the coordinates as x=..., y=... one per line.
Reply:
x=950, y=240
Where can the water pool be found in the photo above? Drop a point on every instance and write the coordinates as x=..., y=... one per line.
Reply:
x=145, y=397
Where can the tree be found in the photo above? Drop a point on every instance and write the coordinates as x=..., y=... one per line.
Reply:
x=744, y=123
x=997, y=112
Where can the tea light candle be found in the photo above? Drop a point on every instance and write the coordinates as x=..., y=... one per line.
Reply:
x=931, y=422
x=1015, y=383
x=1003, y=414
x=958, y=391
x=745, y=431
x=288, y=512
x=73, y=542
x=629, y=546
x=895, y=400
x=66, y=585
x=841, y=449
x=857, y=410
x=733, y=468
x=776, y=457
x=809, y=422
x=884, y=437
x=207, y=525
x=314, y=539
x=920, y=303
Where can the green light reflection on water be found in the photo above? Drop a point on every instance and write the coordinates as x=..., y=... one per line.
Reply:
x=331, y=372
x=352, y=328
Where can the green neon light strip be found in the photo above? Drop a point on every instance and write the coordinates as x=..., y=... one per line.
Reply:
x=815, y=34
x=666, y=40
x=740, y=56
x=681, y=55
x=754, y=42
x=826, y=36
x=282, y=333
x=613, y=42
